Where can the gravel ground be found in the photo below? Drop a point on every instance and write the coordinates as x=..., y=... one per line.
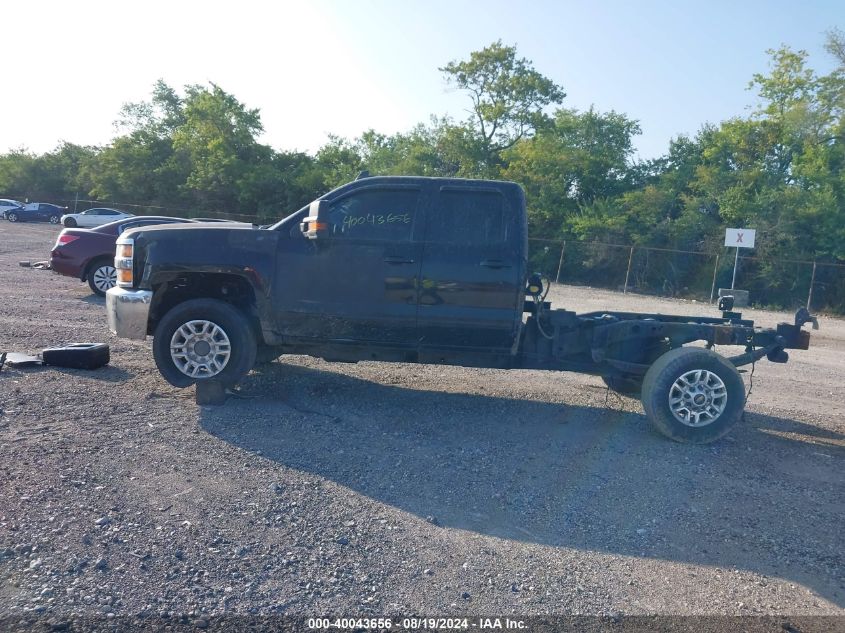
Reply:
x=385, y=488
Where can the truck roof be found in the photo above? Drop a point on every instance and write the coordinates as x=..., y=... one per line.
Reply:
x=444, y=181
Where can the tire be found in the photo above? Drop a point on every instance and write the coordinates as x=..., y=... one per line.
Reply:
x=12, y=216
x=70, y=223
x=101, y=276
x=683, y=376
x=54, y=219
x=208, y=321
x=629, y=386
x=77, y=356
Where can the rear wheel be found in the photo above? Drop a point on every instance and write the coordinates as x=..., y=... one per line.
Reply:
x=102, y=276
x=70, y=222
x=204, y=339
x=693, y=395
x=11, y=216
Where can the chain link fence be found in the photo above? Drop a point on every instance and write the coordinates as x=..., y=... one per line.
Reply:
x=780, y=283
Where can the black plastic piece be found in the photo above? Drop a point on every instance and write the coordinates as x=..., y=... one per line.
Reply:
x=77, y=356
x=726, y=303
x=778, y=355
x=14, y=359
x=803, y=316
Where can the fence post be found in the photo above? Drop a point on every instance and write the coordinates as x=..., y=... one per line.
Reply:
x=713, y=285
x=736, y=263
x=560, y=263
x=628, y=272
x=812, y=281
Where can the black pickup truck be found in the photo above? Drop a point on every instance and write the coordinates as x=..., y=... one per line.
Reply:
x=416, y=270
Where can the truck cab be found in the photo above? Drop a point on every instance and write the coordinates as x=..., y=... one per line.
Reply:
x=414, y=268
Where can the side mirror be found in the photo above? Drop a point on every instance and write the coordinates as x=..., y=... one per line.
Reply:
x=316, y=225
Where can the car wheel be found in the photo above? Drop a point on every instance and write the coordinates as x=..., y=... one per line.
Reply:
x=204, y=339
x=12, y=216
x=693, y=395
x=625, y=385
x=54, y=219
x=101, y=276
x=70, y=222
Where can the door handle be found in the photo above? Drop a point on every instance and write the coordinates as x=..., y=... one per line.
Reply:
x=396, y=259
x=494, y=263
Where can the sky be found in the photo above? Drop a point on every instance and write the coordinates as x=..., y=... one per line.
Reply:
x=320, y=67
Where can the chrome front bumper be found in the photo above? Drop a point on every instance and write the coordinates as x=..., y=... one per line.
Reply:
x=128, y=311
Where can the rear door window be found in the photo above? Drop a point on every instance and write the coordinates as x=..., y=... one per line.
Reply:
x=468, y=217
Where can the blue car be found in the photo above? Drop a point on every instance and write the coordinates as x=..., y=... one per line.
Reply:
x=37, y=211
x=7, y=204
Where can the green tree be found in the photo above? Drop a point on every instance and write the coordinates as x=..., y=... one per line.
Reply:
x=580, y=157
x=218, y=139
x=508, y=98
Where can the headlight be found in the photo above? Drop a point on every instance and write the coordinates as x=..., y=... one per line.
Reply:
x=124, y=261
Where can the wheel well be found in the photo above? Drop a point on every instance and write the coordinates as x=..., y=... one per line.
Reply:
x=232, y=289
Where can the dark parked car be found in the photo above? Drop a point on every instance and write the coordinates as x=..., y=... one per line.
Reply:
x=88, y=254
x=37, y=211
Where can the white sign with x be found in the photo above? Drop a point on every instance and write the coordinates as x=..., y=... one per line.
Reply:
x=740, y=238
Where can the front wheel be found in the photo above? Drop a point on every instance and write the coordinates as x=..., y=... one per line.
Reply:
x=54, y=219
x=204, y=339
x=693, y=395
x=70, y=223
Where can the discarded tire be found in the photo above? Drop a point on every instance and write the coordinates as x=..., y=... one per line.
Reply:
x=77, y=356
